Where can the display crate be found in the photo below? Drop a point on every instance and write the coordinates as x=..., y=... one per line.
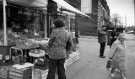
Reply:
x=4, y=70
x=73, y=57
x=39, y=74
x=16, y=55
x=4, y=51
x=25, y=73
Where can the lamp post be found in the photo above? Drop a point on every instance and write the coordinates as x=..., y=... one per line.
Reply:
x=4, y=22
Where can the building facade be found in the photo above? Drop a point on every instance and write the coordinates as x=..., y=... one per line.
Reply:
x=75, y=21
x=103, y=13
x=99, y=13
x=82, y=23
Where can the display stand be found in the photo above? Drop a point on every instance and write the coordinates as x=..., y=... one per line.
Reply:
x=42, y=74
x=21, y=71
x=36, y=73
x=73, y=57
x=5, y=54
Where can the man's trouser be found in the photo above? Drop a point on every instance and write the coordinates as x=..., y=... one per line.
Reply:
x=102, y=48
x=59, y=65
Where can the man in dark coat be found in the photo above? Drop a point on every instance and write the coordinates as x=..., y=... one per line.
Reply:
x=102, y=39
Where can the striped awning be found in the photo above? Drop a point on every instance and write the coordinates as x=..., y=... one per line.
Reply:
x=67, y=6
x=29, y=3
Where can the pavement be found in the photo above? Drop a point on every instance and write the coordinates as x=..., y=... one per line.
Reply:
x=90, y=66
x=130, y=63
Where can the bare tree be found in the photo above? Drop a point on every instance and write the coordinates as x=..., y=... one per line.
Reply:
x=115, y=19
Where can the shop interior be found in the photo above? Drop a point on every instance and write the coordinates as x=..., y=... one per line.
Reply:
x=26, y=29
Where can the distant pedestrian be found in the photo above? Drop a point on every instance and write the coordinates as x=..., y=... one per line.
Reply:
x=102, y=39
x=60, y=42
x=117, y=56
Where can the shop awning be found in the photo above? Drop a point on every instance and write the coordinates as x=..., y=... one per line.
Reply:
x=30, y=3
x=67, y=6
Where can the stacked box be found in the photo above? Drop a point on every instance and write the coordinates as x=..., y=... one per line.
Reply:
x=39, y=74
x=4, y=72
x=73, y=57
x=25, y=73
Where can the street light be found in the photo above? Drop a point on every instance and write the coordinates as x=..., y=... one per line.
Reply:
x=4, y=22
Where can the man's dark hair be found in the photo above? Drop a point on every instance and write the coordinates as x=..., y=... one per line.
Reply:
x=59, y=23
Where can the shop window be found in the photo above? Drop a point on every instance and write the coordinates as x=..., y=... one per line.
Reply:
x=28, y=21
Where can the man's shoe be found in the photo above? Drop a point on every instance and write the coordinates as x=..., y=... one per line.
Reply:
x=102, y=56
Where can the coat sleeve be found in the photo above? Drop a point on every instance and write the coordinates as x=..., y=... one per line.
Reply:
x=112, y=50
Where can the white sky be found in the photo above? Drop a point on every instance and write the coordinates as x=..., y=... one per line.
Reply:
x=125, y=9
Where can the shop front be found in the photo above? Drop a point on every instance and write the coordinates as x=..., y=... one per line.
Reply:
x=26, y=29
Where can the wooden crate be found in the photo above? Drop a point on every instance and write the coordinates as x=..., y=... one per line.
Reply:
x=4, y=70
x=39, y=74
x=25, y=73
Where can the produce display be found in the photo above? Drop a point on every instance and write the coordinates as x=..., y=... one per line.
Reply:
x=25, y=48
x=37, y=53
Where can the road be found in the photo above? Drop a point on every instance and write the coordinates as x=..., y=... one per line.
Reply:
x=90, y=66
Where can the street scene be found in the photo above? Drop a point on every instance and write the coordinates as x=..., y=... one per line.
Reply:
x=67, y=39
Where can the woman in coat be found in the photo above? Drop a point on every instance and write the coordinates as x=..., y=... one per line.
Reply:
x=117, y=54
x=58, y=50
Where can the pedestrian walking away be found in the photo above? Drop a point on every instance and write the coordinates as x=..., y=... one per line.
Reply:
x=102, y=39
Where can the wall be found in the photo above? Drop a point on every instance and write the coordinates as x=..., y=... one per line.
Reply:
x=87, y=26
